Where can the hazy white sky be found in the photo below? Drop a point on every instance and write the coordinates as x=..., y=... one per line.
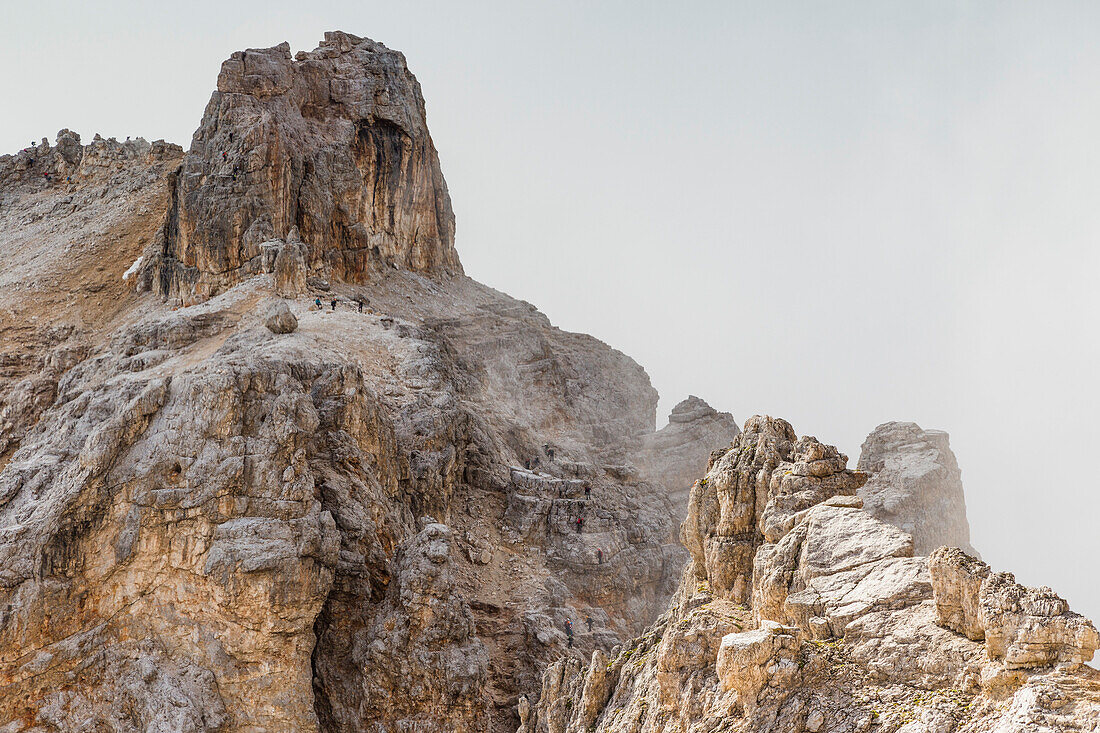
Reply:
x=840, y=213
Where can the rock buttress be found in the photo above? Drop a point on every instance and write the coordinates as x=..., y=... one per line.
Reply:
x=331, y=145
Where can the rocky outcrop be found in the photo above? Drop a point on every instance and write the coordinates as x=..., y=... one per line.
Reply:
x=677, y=454
x=914, y=483
x=404, y=517
x=753, y=493
x=1022, y=627
x=332, y=143
x=253, y=514
x=957, y=581
x=845, y=630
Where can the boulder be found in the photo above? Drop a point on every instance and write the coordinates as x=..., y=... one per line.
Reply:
x=280, y=319
x=749, y=660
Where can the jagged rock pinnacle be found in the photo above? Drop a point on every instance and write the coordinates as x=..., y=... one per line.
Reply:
x=333, y=142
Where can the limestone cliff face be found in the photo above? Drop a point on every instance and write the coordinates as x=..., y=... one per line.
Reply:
x=249, y=513
x=915, y=484
x=822, y=618
x=333, y=144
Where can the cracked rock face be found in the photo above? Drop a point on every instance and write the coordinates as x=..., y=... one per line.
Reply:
x=914, y=483
x=845, y=629
x=1023, y=627
x=332, y=145
x=403, y=510
x=752, y=494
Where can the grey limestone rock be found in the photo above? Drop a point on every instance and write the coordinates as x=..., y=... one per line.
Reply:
x=280, y=319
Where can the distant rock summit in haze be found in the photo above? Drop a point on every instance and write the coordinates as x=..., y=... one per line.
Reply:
x=677, y=454
x=914, y=483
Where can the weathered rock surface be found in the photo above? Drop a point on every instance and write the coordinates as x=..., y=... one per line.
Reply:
x=753, y=493
x=332, y=143
x=204, y=526
x=914, y=483
x=1023, y=627
x=845, y=629
x=280, y=319
x=678, y=453
x=403, y=519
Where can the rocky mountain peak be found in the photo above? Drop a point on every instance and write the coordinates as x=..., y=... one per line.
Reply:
x=801, y=611
x=333, y=144
x=693, y=408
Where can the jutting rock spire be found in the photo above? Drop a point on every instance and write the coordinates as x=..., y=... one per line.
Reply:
x=333, y=143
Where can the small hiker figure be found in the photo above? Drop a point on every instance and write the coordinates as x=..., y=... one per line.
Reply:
x=580, y=523
x=599, y=556
x=588, y=620
x=587, y=491
x=230, y=137
x=68, y=179
x=569, y=632
x=317, y=302
x=360, y=306
x=551, y=454
x=334, y=303
x=225, y=156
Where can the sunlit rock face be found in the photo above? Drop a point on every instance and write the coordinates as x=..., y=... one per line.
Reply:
x=914, y=483
x=752, y=494
x=331, y=146
x=845, y=628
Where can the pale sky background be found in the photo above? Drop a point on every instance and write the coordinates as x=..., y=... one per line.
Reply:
x=839, y=213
